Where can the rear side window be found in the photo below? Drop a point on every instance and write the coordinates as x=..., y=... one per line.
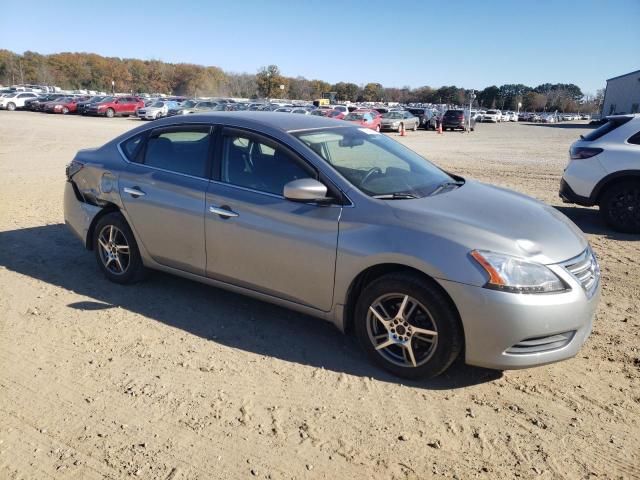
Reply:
x=131, y=147
x=635, y=139
x=608, y=127
x=179, y=149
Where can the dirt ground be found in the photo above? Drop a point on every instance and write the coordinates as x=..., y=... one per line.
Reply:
x=170, y=379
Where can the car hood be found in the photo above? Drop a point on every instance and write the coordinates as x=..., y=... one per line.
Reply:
x=485, y=217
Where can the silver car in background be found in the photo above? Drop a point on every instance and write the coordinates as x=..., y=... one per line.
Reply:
x=156, y=110
x=344, y=224
x=397, y=120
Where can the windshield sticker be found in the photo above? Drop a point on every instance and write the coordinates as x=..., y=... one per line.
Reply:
x=368, y=131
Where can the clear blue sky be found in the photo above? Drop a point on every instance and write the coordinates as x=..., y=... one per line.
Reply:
x=466, y=43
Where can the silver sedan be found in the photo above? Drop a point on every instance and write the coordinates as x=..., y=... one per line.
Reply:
x=398, y=121
x=344, y=224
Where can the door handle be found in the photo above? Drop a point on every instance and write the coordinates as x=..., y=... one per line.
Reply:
x=134, y=192
x=223, y=211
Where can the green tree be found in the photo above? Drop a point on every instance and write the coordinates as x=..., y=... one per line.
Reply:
x=373, y=92
x=269, y=80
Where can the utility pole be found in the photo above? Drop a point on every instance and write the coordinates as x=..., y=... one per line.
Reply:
x=472, y=96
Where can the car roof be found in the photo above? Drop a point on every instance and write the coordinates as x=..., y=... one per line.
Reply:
x=276, y=120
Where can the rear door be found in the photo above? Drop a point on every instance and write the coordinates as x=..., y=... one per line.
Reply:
x=257, y=239
x=163, y=192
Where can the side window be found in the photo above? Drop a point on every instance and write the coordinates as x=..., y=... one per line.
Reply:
x=131, y=147
x=635, y=139
x=260, y=166
x=179, y=149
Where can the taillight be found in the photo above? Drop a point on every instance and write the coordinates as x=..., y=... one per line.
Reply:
x=580, y=153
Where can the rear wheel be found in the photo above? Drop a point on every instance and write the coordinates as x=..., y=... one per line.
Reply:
x=407, y=327
x=415, y=127
x=110, y=113
x=116, y=250
x=620, y=206
x=11, y=106
x=65, y=110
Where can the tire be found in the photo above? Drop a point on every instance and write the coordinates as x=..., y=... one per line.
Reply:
x=432, y=313
x=65, y=110
x=620, y=206
x=110, y=113
x=127, y=268
x=378, y=128
x=415, y=127
x=11, y=106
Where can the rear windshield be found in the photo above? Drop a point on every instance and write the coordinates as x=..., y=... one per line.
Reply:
x=610, y=126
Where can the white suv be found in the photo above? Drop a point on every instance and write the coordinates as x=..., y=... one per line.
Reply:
x=604, y=170
x=14, y=100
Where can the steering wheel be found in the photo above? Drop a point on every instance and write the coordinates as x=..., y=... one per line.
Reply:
x=371, y=173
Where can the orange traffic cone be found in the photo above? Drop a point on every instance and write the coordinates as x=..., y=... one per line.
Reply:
x=402, y=131
x=439, y=127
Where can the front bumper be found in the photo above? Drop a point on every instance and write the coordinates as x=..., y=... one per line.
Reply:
x=510, y=331
x=78, y=215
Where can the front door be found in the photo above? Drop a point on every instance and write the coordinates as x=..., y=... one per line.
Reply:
x=257, y=239
x=164, y=195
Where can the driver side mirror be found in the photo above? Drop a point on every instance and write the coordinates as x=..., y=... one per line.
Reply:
x=306, y=190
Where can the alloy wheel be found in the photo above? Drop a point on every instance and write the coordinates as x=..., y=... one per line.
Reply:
x=114, y=250
x=402, y=330
x=624, y=208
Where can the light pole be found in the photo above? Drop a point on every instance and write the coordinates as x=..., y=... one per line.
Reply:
x=472, y=97
x=113, y=87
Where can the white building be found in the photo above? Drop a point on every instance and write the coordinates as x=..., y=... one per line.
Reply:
x=622, y=94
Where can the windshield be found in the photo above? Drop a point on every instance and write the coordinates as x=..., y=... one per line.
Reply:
x=392, y=115
x=354, y=116
x=158, y=105
x=106, y=100
x=188, y=104
x=374, y=163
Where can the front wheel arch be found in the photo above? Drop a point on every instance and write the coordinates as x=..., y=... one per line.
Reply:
x=370, y=274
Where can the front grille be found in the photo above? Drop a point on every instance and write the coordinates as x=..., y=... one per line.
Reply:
x=585, y=269
x=542, y=344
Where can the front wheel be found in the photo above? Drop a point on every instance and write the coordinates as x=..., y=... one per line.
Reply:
x=65, y=110
x=406, y=326
x=415, y=127
x=11, y=106
x=110, y=113
x=116, y=250
x=620, y=206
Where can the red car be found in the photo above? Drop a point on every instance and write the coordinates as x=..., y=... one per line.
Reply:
x=364, y=118
x=336, y=114
x=63, y=105
x=115, y=106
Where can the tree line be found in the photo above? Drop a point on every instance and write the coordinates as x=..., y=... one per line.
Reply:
x=89, y=71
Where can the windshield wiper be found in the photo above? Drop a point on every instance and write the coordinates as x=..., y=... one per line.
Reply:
x=395, y=196
x=445, y=185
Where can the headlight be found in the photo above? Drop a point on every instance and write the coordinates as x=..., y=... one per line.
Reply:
x=515, y=275
x=395, y=124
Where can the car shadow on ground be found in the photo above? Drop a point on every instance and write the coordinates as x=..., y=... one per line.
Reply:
x=562, y=125
x=215, y=314
x=589, y=221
